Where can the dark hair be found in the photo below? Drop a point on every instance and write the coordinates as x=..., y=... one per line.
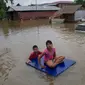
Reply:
x=48, y=42
x=35, y=46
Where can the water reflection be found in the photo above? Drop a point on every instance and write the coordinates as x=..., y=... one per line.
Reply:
x=15, y=26
x=5, y=28
x=70, y=26
x=50, y=80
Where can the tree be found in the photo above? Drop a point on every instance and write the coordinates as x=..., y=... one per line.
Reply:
x=3, y=7
x=2, y=13
x=80, y=1
x=10, y=1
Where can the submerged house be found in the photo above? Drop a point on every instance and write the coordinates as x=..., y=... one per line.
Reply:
x=31, y=12
x=72, y=13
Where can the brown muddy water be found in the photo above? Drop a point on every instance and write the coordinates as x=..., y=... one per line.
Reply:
x=16, y=41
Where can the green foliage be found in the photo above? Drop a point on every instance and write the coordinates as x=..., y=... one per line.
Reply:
x=3, y=7
x=80, y=1
x=9, y=0
x=2, y=13
x=2, y=4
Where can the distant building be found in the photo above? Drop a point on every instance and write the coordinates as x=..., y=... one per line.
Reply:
x=72, y=13
x=31, y=12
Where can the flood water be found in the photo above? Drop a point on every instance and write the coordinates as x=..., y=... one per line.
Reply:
x=16, y=41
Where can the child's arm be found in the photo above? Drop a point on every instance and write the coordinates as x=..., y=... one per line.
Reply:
x=55, y=56
x=29, y=59
x=39, y=60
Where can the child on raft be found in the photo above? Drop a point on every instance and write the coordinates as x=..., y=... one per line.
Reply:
x=50, y=58
x=34, y=54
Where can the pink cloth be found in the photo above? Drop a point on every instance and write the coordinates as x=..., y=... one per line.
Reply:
x=48, y=55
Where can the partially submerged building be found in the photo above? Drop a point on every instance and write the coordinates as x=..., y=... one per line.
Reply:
x=31, y=12
x=72, y=13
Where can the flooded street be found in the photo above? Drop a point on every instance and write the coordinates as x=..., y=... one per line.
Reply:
x=16, y=41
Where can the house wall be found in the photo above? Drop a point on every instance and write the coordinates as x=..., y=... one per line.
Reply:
x=79, y=14
x=13, y=15
x=68, y=17
x=61, y=5
x=34, y=15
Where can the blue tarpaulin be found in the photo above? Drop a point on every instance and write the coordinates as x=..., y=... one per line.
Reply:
x=52, y=71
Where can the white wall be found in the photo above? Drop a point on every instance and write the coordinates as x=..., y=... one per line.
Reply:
x=79, y=15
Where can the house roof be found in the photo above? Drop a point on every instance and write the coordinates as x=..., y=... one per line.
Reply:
x=32, y=8
x=58, y=2
x=64, y=2
x=69, y=9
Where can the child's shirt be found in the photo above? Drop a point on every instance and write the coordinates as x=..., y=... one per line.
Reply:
x=48, y=55
x=34, y=55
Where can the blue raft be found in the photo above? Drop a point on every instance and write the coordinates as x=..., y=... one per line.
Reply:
x=52, y=71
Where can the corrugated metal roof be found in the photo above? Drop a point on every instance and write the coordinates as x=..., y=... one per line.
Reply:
x=64, y=2
x=32, y=8
x=69, y=9
x=58, y=2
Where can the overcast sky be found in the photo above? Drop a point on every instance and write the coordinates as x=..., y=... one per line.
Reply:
x=27, y=2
